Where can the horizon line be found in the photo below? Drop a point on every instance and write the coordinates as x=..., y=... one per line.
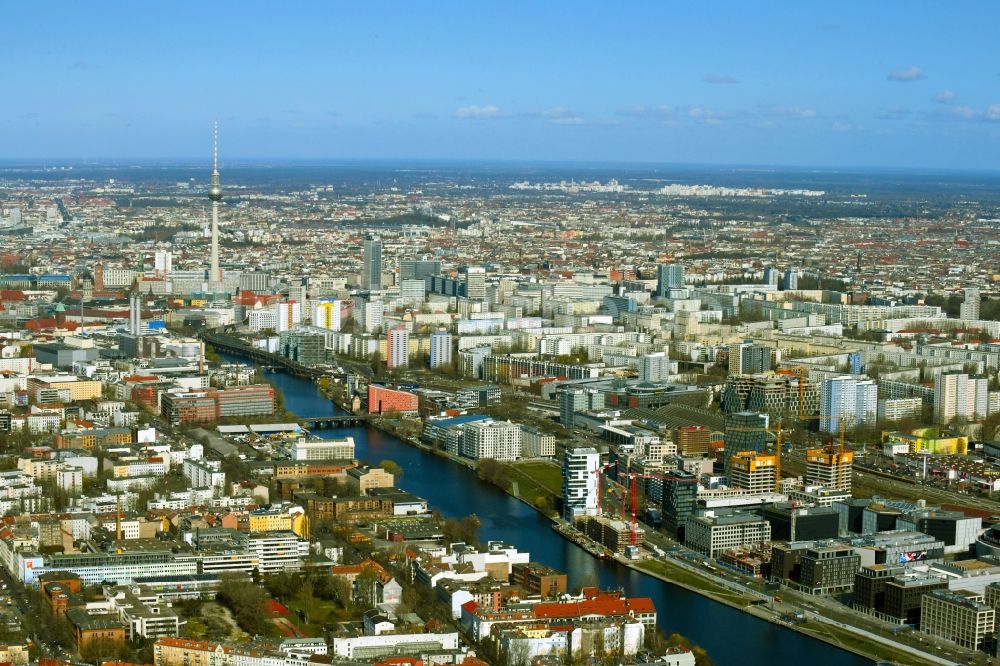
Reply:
x=260, y=161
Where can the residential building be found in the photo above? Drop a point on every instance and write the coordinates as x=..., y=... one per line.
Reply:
x=499, y=440
x=323, y=449
x=382, y=400
x=581, y=467
x=847, y=402
x=397, y=348
x=441, y=351
x=537, y=444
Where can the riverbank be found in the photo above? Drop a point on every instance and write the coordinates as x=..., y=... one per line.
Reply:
x=456, y=490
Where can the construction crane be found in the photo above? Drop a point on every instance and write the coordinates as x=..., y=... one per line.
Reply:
x=634, y=483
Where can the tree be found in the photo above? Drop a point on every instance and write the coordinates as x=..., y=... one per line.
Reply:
x=392, y=467
x=245, y=600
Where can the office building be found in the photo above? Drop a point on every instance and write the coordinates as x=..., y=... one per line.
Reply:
x=440, y=354
x=573, y=400
x=669, y=276
x=397, y=348
x=692, y=441
x=828, y=568
x=581, y=485
x=475, y=283
x=323, y=449
x=327, y=315
x=680, y=499
x=745, y=431
x=829, y=468
x=754, y=472
x=847, y=401
x=961, y=617
x=303, y=347
x=411, y=292
x=417, y=269
x=715, y=531
x=371, y=268
x=969, y=310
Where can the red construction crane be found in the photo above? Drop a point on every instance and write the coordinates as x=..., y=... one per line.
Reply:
x=634, y=476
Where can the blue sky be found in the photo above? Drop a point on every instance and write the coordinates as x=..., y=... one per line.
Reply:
x=910, y=84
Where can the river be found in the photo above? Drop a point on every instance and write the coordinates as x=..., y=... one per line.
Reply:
x=729, y=636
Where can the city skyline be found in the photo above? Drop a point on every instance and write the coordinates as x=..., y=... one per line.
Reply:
x=779, y=85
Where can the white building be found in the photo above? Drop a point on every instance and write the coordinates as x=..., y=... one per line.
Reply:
x=848, y=398
x=499, y=440
x=288, y=315
x=323, y=449
x=710, y=534
x=654, y=367
x=440, y=349
x=262, y=320
x=398, y=348
x=204, y=473
x=957, y=395
x=581, y=467
x=327, y=315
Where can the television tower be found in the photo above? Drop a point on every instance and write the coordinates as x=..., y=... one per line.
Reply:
x=215, y=194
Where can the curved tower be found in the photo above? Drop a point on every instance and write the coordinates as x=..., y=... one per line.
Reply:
x=215, y=194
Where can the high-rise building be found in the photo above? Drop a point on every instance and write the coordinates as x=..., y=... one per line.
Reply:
x=397, y=348
x=163, y=262
x=970, y=306
x=215, y=195
x=327, y=315
x=134, y=314
x=574, y=400
x=580, y=483
x=371, y=269
x=771, y=276
x=418, y=269
x=692, y=440
x=412, y=292
x=791, y=280
x=475, y=283
x=853, y=401
x=654, y=367
x=680, y=499
x=959, y=396
x=440, y=349
x=754, y=472
x=829, y=468
x=747, y=358
x=669, y=276
x=288, y=315
x=745, y=431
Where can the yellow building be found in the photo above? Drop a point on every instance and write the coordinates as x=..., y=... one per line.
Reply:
x=829, y=468
x=79, y=389
x=931, y=440
x=264, y=520
x=753, y=471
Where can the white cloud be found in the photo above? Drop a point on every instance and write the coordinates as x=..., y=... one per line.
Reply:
x=560, y=115
x=475, y=112
x=708, y=116
x=993, y=113
x=661, y=112
x=946, y=97
x=912, y=73
x=723, y=79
